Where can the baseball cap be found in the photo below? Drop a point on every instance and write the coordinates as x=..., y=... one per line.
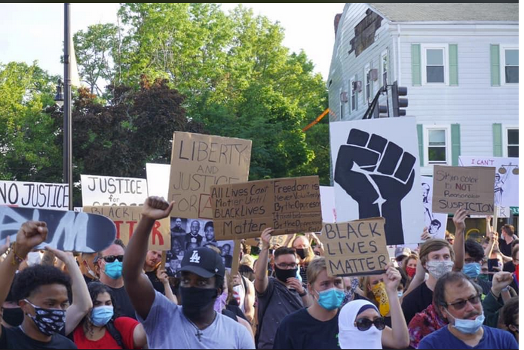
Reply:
x=203, y=262
x=402, y=252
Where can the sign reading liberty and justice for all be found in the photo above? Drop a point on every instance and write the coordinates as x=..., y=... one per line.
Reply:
x=288, y=205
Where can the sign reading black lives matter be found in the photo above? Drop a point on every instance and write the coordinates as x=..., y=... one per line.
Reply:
x=470, y=188
x=288, y=205
x=355, y=248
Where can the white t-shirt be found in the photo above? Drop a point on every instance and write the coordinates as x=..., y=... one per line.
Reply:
x=167, y=328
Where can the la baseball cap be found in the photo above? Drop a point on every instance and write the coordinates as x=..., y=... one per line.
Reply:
x=204, y=262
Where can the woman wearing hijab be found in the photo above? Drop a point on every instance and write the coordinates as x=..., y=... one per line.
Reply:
x=362, y=327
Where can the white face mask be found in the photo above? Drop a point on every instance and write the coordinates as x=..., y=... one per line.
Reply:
x=439, y=268
x=467, y=326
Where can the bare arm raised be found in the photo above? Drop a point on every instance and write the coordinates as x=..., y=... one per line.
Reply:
x=261, y=279
x=137, y=284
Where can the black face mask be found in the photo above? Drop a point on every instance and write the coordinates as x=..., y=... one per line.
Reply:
x=283, y=275
x=195, y=299
x=13, y=316
x=302, y=253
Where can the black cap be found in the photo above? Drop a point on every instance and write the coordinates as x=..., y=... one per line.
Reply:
x=203, y=262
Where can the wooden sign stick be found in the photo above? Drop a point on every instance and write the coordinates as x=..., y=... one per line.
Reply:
x=236, y=258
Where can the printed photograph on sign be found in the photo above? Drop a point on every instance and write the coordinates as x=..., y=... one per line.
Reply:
x=108, y=190
x=506, y=186
x=376, y=173
x=34, y=195
x=434, y=222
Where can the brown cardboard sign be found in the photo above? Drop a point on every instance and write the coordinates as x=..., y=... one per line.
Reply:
x=288, y=205
x=200, y=161
x=470, y=188
x=355, y=248
x=126, y=219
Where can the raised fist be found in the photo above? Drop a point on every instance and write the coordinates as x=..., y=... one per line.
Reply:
x=377, y=174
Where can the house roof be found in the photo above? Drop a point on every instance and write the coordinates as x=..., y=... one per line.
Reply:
x=448, y=12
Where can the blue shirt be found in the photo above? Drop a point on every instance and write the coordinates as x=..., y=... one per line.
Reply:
x=493, y=338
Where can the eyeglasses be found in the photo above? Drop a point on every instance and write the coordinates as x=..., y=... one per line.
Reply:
x=363, y=324
x=112, y=258
x=459, y=305
x=287, y=266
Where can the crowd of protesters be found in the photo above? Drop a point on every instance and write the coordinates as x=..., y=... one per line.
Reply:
x=450, y=293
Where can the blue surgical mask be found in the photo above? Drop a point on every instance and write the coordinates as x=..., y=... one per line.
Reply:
x=468, y=326
x=101, y=315
x=331, y=299
x=114, y=269
x=472, y=270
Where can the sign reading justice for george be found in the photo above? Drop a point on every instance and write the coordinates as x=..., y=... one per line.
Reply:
x=355, y=248
x=288, y=205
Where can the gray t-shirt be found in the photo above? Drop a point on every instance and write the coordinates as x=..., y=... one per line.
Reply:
x=167, y=328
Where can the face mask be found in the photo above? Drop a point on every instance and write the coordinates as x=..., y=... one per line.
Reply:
x=283, y=275
x=48, y=321
x=379, y=291
x=13, y=316
x=472, y=270
x=220, y=302
x=483, y=277
x=101, y=315
x=195, y=299
x=400, y=293
x=330, y=299
x=411, y=271
x=468, y=326
x=114, y=269
x=302, y=253
x=438, y=269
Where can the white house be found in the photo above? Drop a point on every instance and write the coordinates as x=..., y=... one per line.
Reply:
x=458, y=61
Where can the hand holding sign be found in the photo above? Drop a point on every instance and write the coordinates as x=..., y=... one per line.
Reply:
x=365, y=169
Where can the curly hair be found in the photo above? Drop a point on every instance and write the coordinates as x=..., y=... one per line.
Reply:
x=474, y=250
x=32, y=278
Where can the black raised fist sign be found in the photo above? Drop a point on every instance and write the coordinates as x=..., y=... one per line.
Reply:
x=377, y=174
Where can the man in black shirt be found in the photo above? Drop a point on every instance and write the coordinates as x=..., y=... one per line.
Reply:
x=507, y=237
x=42, y=292
x=151, y=265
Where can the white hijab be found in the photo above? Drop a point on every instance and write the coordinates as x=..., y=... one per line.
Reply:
x=349, y=336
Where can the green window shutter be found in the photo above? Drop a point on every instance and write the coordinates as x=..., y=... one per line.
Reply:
x=415, y=65
x=455, y=144
x=453, y=64
x=497, y=140
x=495, y=65
x=420, y=144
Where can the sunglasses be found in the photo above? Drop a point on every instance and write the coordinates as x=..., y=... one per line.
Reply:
x=112, y=258
x=459, y=305
x=363, y=324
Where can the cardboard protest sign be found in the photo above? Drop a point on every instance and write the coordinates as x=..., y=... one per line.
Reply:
x=34, y=195
x=506, y=185
x=126, y=219
x=288, y=205
x=158, y=179
x=355, y=248
x=67, y=230
x=436, y=223
x=108, y=190
x=463, y=187
x=376, y=174
x=199, y=162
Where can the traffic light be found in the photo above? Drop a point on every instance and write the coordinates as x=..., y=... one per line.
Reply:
x=398, y=102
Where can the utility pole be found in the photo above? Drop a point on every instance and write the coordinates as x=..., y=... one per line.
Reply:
x=68, y=129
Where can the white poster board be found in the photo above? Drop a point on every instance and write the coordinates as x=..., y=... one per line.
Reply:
x=435, y=222
x=327, y=200
x=107, y=190
x=506, y=186
x=34, y=195
x=158, y=179
x=376, y=174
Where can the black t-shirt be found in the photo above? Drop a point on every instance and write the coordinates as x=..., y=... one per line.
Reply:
x=15, y=338
x=509, y=267
x=155, y=281
x=123, y=306
x=504, y=247
x=300, y=330
x=416, y=301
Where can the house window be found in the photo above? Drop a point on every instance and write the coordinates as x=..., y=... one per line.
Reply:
x=513, y=142
x=384, y=67
x=436, y=62
x=368, y=88
x=511, y=66
x=437, y=145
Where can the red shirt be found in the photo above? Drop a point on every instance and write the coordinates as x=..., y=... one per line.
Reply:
x=126, y=327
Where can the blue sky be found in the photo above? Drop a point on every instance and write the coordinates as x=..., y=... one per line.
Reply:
x=30, y=32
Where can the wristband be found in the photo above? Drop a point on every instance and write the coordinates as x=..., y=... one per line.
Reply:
x=16, y=258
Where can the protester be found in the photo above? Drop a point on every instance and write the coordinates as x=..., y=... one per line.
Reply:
x=401, y=253
x=195, y=324
x=361, y=326
x=43, y=294
x=305, y=255
x=424, y=323
x=495, y=300
x=458, y=300
x=473, y=264
x=511, y=266
x=375, y=291
x=243, y=291
x=277, y=296
x=102, y=328
x=507, y=237
x=317, y=326
x=226, y=305
x=509, y=317
x=450, y=237
x=88, y=267
x=410, y=265
x=110, y=264
x=11, y=315
x=151, y=266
